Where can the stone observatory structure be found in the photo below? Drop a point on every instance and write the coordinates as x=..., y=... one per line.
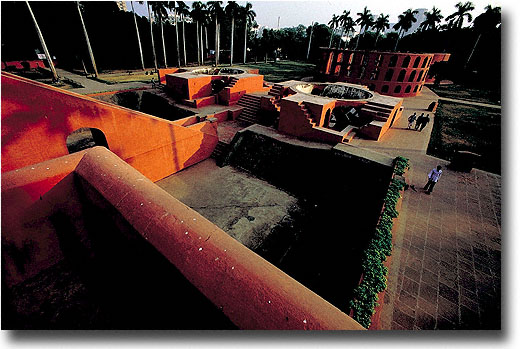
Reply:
x=390, y=73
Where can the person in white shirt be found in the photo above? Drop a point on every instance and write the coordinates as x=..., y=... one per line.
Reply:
x=433, y=177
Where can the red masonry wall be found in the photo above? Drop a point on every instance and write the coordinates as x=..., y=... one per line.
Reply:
x=37, y=118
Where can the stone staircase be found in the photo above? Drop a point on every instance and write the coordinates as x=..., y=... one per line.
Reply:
x=276, y=92
x=232, y=82
x=220, y=152
x=307, y=114
x=251, y=105
x=379, y=112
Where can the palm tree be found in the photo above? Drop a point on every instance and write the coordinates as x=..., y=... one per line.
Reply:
x=333, y=24
x=55, y=76
x=215, y=9
x=159, y=8
x=138, y=37
x=151, y=34
x=249, y=16
x=310, y=39
x=485, y=22
x=347, y=25
x=406, y=19
x=365, y=20
x=88, y=41
x=380, y=24
x=183, y=10
x=197, y=15
x=432, y=18
x=232, y=9
x=456, y=19
x=172, y=6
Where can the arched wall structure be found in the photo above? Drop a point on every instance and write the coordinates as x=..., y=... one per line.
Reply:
x=390, y=73
x=37, y=118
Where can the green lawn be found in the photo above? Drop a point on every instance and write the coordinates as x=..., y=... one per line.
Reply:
x=282, y=70
x=465, y=127
x=465, y=93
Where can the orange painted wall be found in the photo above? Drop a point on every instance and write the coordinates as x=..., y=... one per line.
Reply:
x=36, y=120
x=164, y=72
x=370, y=69
x=245, y=84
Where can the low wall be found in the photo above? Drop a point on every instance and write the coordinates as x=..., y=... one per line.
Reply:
x=251, y=292
x=37, y=118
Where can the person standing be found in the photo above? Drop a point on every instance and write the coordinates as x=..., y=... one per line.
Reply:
x=411, y=119
x=433, y=177
x=424, y=122
x=419, y=121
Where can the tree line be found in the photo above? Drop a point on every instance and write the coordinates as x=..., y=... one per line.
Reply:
x=175, y=35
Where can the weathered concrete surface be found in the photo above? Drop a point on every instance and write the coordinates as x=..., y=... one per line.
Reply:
x=241, y=205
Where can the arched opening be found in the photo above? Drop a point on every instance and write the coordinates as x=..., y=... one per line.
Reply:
x=402, y=73
x=420, y=76
x=416, y=62
x=393, y=61
x=412, y=76
x=374, y=75
x=397, y=89
x=416, y=88
x=384, y=89
x=371, y=87
x=326, y=120
x=406, y=62
x=84, y=138
x=408, y=89
x=389, y=74
x=425, y=62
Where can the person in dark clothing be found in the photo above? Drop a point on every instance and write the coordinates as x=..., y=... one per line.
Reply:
x=424, y=122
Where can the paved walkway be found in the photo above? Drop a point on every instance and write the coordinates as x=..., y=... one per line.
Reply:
x=92, y=86
x=445, y=270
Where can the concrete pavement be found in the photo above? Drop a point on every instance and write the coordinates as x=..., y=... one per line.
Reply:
x=446, y=266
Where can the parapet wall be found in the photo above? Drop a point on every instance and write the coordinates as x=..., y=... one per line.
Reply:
x=37, y=118
x=251, y=292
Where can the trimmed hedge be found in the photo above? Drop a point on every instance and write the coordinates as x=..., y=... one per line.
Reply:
x=365, y=295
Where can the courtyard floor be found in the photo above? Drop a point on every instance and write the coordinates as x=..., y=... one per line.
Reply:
x=445, y=271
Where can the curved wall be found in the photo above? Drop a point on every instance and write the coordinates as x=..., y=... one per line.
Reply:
x=389, y=73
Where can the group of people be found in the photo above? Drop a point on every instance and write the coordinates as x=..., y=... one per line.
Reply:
x=420, y=122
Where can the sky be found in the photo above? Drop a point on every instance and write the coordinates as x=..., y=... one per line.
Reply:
x=293, y=13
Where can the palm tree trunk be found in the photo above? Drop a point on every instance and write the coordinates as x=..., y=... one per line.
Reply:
x=184, y=41
x=198, y=43
x=88, y=41
x=138, y=37
x=341, y=37
x=331, y=36
x=245, y=41
x=232, y=34
x=151, y=34
x=202, y=45
x=163, y=45
x=177, y=38
x=216, y=41
x=310, y=39
x=206, y=32
x=398, y=37
x=357, y=41
x=44, y=46
x=377, y=38
x=473, y=50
